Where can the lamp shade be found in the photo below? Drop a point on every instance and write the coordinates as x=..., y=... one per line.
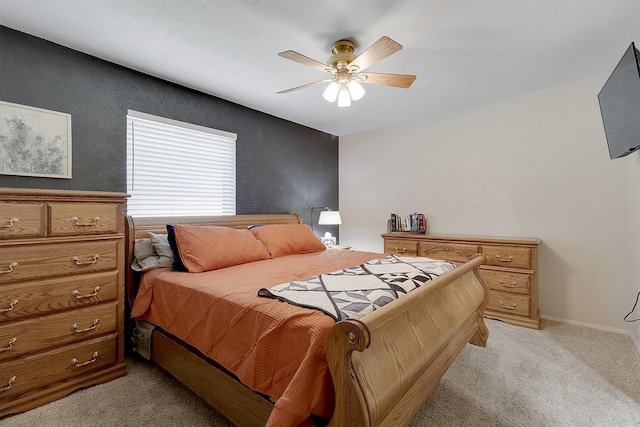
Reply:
x=329, y=218
x=344, y=98
x=355, y=89
x=331, y=92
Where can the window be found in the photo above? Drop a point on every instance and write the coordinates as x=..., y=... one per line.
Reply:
x=179, y=169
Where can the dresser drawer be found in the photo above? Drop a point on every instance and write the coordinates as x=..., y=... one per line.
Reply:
x=26, y=262
x=508, y=303
x=21, y=220
x=508, y=256
x=47, y=296
x=400, y=247
x=519, y=283
x=82, y=218
x=37, y=334
x=51, y=367
x=458, y=252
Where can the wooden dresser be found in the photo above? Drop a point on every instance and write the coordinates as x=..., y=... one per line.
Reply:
x=61, y=294
x=511, y=272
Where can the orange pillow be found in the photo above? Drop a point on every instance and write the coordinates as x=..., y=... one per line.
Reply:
x=288, y=239
x=206, y=248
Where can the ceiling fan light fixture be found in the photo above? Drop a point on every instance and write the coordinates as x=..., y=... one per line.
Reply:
x=347, y=70
x=331, y=92
x=344, y=98
x=356, y=90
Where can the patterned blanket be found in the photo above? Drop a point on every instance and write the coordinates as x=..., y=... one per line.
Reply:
x=356, y=291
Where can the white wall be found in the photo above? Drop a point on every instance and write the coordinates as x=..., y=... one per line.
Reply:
x=634, y=233
x=633, y=161
x=531, y=167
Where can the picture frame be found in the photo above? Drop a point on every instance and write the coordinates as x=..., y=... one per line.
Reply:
x=34, y=142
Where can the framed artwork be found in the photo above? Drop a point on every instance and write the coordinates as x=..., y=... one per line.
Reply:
x=34, y=141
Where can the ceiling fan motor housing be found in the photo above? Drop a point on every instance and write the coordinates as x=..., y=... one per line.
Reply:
x=342, y=54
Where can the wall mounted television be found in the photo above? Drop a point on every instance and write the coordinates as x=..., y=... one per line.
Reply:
x=620, y=105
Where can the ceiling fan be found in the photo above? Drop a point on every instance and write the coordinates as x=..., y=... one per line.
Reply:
x=347, y=70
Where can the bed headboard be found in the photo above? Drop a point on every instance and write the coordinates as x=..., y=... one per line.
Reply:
x=137, y=228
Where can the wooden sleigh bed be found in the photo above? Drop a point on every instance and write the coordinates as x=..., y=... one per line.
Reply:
x=424, y=330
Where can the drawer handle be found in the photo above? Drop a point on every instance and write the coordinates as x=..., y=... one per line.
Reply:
x=11, y=222
x=504, y=260
x=12, y=341
x=11, y=306
x=75, y=362
x=504, y=285
x=11, y=267
x=93, y=261
x=401, y=251
x=94, y=324
x=76, y=293
x=512, y=307
x=9, y=383
x=94, y=221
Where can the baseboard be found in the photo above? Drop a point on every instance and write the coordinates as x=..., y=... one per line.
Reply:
x=635, y=341
x=593, y=326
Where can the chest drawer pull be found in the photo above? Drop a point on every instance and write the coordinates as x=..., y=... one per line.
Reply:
x=512, y=307
x=11, y=305
x=94, y=324
x=93, y=261
x=9, y=383
x=504, y=260
x=75, y=362
x=93, y=223
x=11, y=267
x=11, y=342
x=11, y=222
x=401, y=251
x=76, y=293
x=504, y=285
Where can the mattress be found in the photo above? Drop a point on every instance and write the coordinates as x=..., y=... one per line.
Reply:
x=273, y=347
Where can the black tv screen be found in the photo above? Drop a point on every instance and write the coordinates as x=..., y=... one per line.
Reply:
x=620, y=105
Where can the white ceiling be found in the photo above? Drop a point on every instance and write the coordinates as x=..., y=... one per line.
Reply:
x=466, y=53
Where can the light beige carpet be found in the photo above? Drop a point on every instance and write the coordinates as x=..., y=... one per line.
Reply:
x=562, y=375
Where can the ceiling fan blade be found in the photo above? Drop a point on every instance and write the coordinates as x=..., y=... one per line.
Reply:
x=305, y=60
x=395, y=80
x=304, y=86
x=376, y=52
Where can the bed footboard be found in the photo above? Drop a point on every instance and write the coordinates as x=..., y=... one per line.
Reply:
x=386, y=364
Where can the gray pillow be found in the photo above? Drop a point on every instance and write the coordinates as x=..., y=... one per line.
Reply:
x=143, y=249
x=161, y=244
x=147, y=256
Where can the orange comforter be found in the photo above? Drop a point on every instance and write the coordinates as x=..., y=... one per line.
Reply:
x=273, y=347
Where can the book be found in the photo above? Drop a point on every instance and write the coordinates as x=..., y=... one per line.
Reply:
x=413, y=223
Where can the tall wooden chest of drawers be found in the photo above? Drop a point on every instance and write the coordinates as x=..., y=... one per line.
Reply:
x=61, y=293
x=511, y=272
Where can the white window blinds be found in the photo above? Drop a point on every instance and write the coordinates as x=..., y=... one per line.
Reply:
x=179, y=169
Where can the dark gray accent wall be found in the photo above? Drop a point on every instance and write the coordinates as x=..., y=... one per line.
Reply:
x=281, y=166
